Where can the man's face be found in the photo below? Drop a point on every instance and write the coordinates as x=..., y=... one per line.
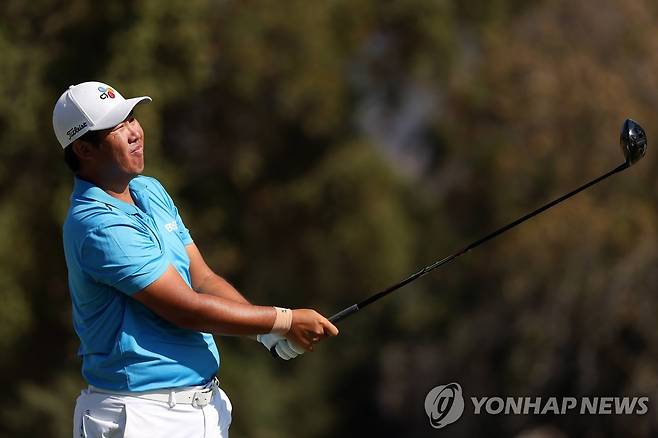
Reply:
x=121, y=150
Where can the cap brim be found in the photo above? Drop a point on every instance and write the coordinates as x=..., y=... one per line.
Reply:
x=119, y=113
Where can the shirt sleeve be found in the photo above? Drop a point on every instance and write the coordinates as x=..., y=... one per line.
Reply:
x=183, y=232
x=123, y=256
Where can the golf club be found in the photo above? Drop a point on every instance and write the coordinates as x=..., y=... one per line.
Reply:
x=633, y=142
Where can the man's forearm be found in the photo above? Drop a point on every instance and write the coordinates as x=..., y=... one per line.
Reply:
x=215, y=285
x=222, y=316
x=171, y=298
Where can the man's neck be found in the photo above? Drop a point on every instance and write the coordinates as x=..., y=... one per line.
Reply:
x=116, y=188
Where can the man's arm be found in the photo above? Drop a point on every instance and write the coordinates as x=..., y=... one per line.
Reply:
x=205, y=281
x=127, y=258
x=172, y=299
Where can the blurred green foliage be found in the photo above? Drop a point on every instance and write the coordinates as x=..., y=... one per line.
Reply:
x=320, y=151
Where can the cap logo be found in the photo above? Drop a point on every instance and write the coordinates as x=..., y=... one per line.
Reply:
x=71, y=132
x=106, y=92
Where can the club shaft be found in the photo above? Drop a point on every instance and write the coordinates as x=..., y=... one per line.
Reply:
x=377, y=296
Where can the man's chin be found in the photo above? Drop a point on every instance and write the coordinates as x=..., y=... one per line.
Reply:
x=137, y=172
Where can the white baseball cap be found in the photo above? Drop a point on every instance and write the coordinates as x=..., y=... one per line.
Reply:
x=90, y=106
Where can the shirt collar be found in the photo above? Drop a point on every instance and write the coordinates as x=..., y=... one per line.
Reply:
x=85, y=189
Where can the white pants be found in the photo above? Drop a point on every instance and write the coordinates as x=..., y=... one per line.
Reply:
x=100, y=415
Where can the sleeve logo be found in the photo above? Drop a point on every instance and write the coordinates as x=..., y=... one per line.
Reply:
x=171, y=226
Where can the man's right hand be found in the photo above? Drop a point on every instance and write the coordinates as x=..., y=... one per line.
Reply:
x=308, y=328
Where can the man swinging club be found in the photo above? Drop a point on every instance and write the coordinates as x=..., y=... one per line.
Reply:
x=145, y=303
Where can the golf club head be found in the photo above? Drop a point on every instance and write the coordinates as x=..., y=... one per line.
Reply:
x=633, y=141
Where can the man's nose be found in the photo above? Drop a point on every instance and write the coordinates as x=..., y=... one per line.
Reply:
x=134, y=130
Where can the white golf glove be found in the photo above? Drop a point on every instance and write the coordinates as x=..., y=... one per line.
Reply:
x=284, y=349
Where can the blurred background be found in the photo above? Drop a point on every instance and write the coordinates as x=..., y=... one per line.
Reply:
x=322, y=150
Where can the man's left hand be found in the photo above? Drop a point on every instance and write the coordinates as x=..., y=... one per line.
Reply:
x=284, y=349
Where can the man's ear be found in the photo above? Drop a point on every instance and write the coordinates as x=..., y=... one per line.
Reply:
x=83, y=149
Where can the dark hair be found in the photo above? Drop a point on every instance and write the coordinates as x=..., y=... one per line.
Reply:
x=71, y=159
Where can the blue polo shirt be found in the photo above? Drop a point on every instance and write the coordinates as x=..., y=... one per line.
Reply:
x=114, y=249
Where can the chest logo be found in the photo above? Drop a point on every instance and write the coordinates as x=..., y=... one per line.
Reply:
x=171, y=226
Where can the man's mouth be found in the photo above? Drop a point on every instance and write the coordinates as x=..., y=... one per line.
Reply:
x=139, y=149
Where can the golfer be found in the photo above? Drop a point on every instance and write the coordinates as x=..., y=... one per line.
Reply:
x=145, y=303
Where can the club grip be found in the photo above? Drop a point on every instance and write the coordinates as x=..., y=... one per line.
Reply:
x=344, y=313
